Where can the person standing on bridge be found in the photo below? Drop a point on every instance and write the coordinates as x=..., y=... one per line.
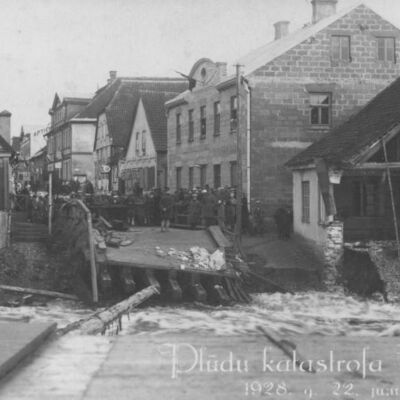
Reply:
x=166, y=209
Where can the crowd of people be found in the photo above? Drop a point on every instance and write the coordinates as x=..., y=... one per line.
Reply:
x=194, y=208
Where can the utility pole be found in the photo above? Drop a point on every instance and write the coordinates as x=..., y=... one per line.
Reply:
x=239, y=189
x=50, y=197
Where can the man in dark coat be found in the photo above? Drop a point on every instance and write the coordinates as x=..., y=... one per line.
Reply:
x=166, y=209
x=194, y=211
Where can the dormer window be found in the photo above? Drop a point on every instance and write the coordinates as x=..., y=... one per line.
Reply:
x=341, y=48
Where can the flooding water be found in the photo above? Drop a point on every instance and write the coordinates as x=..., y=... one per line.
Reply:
x=304, y=313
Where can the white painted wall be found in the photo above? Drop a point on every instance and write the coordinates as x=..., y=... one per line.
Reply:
x=313, y=230
x=141, y=127
x=83, y=136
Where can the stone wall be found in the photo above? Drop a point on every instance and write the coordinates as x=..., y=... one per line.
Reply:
x=333, y=253
x=385, y=257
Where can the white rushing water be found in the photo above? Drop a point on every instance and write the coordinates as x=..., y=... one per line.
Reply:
x=303, y=313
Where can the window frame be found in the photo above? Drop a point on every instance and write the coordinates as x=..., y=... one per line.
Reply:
x=178, y=177
x=305, y=201
x=233, y=113
x=385, y=40
x=191, y=177
x=340, y=57
x=178, y=126
x=144, y=144
x=320, y=106
x=217, y=118
x=217, y=176
x=191, y=125
x=203, y=122
x=203, y=175
x=233, y=173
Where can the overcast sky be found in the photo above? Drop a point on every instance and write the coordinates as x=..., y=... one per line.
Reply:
x=58, y=45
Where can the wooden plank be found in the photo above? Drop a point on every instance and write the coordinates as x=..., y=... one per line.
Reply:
x=219, y=237
x=39, y=292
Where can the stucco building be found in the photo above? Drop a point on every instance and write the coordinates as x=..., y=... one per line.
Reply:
x=70, y=139
x=301, y=86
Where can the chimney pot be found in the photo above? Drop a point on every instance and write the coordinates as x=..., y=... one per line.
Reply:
x=281, y=29
x=113, y=76
x=323, y=9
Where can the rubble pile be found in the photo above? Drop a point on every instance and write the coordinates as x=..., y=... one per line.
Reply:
x=196, y=258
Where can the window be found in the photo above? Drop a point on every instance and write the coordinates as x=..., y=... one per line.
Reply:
x=233, y=113
x=386, y=49
x=137, y=144
x=217, y=118
x=305, y=202
x=191, y=126
x=341, y=48
x=366, y=199
x=178, y=177
x=217, y=176
x=203, y=175
x=144, y=143
x=203, y=122
x=178, y=128
x=320, y=108
x=191, y=177
x=233, y=166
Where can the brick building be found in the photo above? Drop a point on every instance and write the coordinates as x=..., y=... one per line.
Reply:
x=302, y=84
x=202, y=129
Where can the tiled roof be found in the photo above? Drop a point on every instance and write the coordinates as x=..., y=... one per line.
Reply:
x=265, y=54
x=154, y=105
x=119, y=100
x=358, y=133
x=5, y=146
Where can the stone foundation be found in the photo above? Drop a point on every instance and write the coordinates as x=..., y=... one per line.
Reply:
x=333, y=253
x=386, y=260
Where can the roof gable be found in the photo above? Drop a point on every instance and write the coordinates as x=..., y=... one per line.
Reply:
x=263, y=55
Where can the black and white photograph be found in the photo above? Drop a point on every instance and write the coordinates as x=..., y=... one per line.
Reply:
x=200, y=199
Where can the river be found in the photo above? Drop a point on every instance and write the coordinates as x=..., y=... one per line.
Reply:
x=302, y=313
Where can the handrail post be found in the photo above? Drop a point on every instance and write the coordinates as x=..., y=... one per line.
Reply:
x=92, y=256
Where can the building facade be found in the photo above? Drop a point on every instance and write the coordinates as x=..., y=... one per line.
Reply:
x=145, y=162
x=69, y=139
x=302, y=85
x=202, y=129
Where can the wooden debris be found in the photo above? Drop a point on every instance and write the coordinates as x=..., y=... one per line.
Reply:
x=288, y=348
x=39, y=292
x=98, y=322
x=174, y=288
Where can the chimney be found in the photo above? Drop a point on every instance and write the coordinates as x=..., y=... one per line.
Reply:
x=323, y=9
x=222, y=69
x=281, y=29
x=5, y=125
x=113, y=76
